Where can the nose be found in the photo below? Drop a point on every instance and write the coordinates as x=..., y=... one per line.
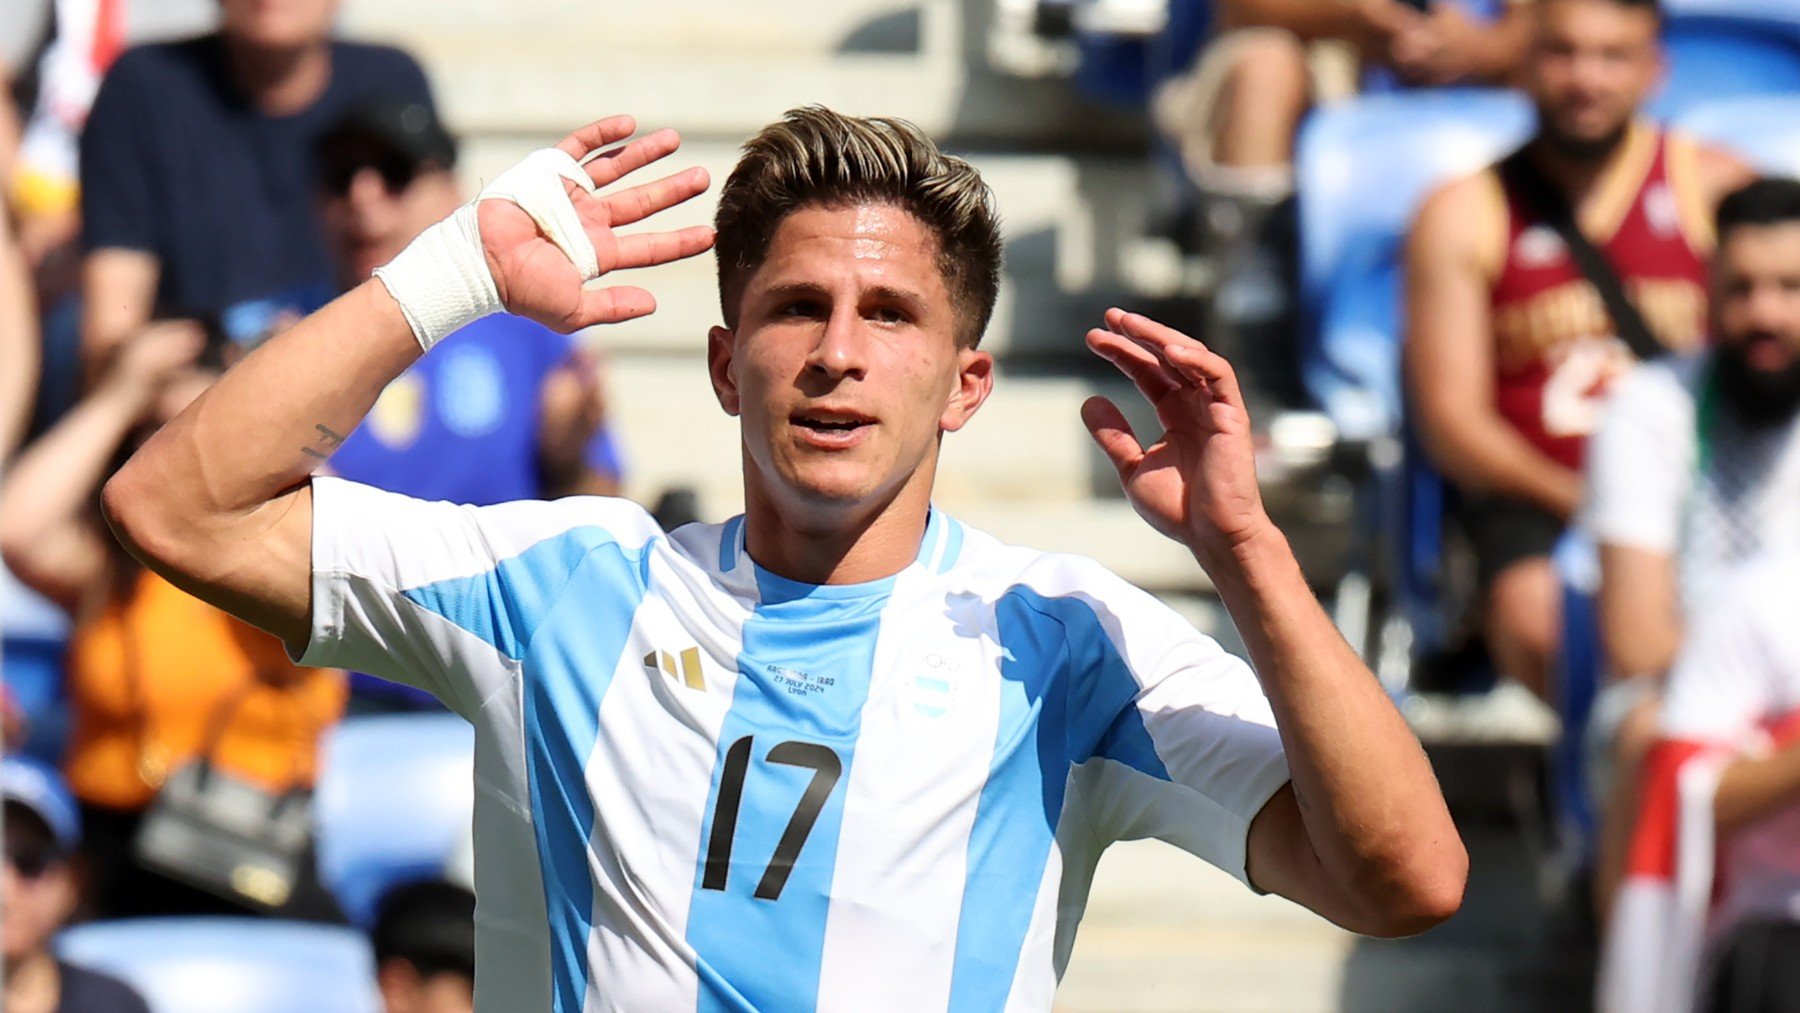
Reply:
x=842, y=348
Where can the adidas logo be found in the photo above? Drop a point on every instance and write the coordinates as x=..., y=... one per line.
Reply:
x=689, y=672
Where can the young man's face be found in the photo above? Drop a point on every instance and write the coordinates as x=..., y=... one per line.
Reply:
x=844, y=365
x=1593, y=63
x=1756, y=314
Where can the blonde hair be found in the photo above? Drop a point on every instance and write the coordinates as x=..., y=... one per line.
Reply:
x=814, y=157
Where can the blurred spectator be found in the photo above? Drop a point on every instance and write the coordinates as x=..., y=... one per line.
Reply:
x=39, y=893
x=424, y=941
x=1721, y=792
x=153, y=673
x=504, y=409
x=1533, y=283
x=1695, y=468
x=195, y=171
x=82, y=40
x=1234, y=118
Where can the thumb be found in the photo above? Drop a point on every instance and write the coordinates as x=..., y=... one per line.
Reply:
x=1107, y=425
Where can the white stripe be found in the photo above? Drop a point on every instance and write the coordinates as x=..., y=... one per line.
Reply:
x=920, y=751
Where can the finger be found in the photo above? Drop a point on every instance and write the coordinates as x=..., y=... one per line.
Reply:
x=1106, y=423
x=1150, y=374
x=597, y=135
x=640, y=202
x=1206, y=367
x=652, y=248
x=609, y=167
x=612, y=305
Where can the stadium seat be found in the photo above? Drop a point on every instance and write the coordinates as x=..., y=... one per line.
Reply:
x=1724, y=49
x=395, y=795
x=231, y=965
x=1764, y=129
x=1362, y=168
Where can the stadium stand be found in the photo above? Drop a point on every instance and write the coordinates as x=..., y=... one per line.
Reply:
x=394, y=799
x=231, y=965
x=1723, y=49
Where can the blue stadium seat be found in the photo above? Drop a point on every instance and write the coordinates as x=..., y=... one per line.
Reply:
x=1764, y=130
x=1722, y=49
x=395, y=795
x=231, y=965
x=1363, y=167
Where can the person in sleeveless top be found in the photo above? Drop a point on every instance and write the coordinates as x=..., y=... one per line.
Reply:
x=1509, y=349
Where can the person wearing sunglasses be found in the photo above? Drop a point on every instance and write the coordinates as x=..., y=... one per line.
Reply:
x=39, y=891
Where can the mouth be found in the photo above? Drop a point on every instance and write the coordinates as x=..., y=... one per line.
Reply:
x=832, y=428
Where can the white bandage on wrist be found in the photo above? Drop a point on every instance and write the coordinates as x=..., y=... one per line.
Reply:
x=441, y=280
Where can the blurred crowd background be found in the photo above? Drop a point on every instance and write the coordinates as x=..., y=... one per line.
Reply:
x=1514, y=286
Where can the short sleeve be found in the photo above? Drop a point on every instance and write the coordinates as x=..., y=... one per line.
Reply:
x=1723, y=681
x=1188, y=751
x=1640, y=460
x=118, y=170
x=443, y=597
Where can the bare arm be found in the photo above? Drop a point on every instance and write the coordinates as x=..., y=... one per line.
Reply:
x=118, y=296
x=1362, y=835
x=217, y=501
x=48, y=531
x=19, y=344
x=1754, y=788
x=1448, y=362
x=1640, y=616
x=1361, y=21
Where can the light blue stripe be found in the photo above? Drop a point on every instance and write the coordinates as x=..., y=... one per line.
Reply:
x=954, y=532
x=569, y=657
x=728, y=544
x=757, y=954
x=504, y=605
x=1065, y=697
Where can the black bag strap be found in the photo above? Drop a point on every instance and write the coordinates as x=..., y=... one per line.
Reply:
x=1546, y=202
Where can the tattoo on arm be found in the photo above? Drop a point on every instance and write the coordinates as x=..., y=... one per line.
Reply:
x=327, y=439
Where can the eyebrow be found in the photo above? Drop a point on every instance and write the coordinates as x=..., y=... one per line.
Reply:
x=883, y=292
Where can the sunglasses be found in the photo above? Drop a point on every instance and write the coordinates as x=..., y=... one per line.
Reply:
x=396, y=171
x=31, y=859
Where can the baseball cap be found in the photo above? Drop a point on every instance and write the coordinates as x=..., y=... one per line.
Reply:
x=405, y=127
x=38, y=787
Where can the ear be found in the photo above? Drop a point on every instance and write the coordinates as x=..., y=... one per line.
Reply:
x=974, y=382
x=721, y=344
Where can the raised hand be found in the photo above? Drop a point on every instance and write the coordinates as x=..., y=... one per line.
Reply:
x=536, y=279
x=1197, y=484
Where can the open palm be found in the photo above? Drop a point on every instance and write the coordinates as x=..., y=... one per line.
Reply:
x=1197, y=484
x=536, y=279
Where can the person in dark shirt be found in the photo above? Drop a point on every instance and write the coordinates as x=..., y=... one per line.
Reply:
x=196, y=171
x=38, y=890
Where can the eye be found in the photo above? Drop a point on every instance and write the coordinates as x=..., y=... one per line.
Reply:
x=805, y=309
x=889, y=315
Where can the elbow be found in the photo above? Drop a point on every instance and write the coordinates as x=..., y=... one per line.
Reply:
x=138, y=518
x=1419, y=894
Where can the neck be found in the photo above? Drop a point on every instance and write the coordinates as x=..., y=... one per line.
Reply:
x=1578, y=174
x=32, y=983
x=279, y=82
x=834, y=545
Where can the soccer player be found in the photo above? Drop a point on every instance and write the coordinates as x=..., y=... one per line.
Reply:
x=841, y=751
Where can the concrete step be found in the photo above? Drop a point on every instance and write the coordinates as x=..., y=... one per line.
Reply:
x=1065, y=218
x=568, y=28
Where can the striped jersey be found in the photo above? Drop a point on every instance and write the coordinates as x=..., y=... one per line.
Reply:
x=700, y=785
